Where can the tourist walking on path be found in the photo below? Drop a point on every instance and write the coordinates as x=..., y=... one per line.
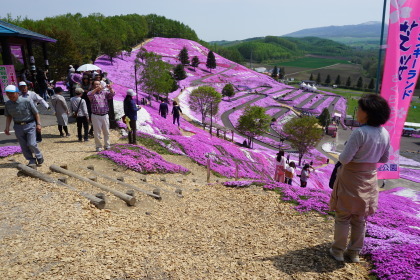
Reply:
x=176, y=111
x=26, y=121
x=130, y=111
x=36, y=99
x=79, y=110
x=355, y=192
x=290, y=172
x=163, y=108
x=280, y=164
x=61, y=111
x=99, y=97
x=304, y=175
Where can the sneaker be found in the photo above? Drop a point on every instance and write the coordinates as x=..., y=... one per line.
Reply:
x=107, y=147
x=68, y=135
x=337, y=256
x=99, y=149
x=80, y=140
x=87, y=139
x=352, y=255
x=39, y=161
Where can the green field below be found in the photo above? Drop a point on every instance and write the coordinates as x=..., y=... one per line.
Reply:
x=312, y=62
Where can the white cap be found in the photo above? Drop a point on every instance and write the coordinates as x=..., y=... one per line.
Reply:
x=131, y=92
x=11, y=88
x=22, y=84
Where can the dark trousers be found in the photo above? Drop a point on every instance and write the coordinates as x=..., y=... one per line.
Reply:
x=132, y=132
x=176, y=119
x=82, y=122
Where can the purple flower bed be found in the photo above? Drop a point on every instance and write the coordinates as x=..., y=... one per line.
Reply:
x=392, y=234
x=393, y=237
x=410, y=174
x=9, y=150
x=140, y=159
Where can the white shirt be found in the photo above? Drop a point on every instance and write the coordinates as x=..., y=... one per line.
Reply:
x=366, y=144
x=282, y=162
x=35, y=98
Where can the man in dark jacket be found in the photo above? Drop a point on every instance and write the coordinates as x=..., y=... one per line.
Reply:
x=163, y=108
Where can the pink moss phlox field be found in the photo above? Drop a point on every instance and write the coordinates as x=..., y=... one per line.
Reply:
x=141, y=159
x=410, y=174
x=393, y=237
x=9, y=150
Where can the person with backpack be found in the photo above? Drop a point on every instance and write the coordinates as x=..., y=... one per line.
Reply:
x=290, y=172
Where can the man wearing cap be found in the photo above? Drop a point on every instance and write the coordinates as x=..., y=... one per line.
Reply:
x=99, y=97
x=26, y=121
x=130, y=111
x=36, y=99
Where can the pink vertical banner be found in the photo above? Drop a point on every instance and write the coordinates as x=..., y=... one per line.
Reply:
x=7, y=77
x=402, y=65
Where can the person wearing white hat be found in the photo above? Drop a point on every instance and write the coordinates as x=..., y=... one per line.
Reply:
x=26, y=122
x=36, y=99
x=130, y=111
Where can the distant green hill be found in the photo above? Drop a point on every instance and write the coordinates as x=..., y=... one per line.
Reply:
x=365, y=35
x=275, y=49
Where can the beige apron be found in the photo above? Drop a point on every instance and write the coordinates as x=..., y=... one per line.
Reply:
x=355, y=189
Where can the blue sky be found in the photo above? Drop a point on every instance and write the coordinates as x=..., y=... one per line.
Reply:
x=218, y=19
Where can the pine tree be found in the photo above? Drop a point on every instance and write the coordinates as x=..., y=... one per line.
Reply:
x=311, y=77
x=371, y=85
x=275, y=72
x=328, y=79
x=179, y=72
x=211, y=61
x=282, y=73
x=318, y=78
x=183, y=56
x=195, y=62
x=338, y=80
x=348, y=83
x=360, y=83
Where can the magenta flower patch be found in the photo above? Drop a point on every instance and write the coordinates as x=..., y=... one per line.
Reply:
x=9, y=150
x=140, y=159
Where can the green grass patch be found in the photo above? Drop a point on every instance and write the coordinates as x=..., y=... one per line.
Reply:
x=153, y=145
x=414, y=113
x=312, y=62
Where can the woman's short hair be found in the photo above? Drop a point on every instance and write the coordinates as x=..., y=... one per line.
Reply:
x=376, y=108
x=292, y=164
x=175, y=103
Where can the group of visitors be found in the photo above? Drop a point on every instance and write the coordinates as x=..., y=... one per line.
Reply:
x=41, y=85
x=285, y=170
x=164, y=109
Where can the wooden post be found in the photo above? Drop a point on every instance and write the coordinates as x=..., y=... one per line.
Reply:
x=124, y=184
x=99, y=203
x=236, y=171
x=128, y=199
x=208, y=169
